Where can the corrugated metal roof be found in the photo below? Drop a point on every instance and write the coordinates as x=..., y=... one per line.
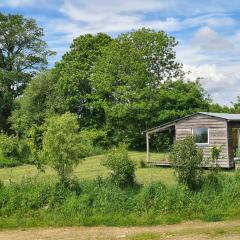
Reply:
x=227, y=116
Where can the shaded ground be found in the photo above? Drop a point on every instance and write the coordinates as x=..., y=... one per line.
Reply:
x=185, y=231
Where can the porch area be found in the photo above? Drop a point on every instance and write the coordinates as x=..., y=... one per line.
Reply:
x=159, y=158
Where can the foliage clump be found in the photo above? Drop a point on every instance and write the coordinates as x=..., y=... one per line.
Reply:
x=23, y=53
x=121, y=166
x=142, y=164
x=13, y=151
x=35, y=105
x=63, y=147
x=215, y=155
x=187, y=158
x=213, y=174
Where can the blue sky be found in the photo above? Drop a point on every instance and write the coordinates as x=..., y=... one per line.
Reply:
x=208, y=31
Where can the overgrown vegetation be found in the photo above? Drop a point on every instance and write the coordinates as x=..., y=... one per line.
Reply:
x=98, y=202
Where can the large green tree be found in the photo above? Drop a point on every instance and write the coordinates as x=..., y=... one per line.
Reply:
x=23, y=52
x=137, y=84
x=73, y=74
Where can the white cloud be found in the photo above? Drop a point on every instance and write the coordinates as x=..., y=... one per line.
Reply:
x=213, y=57
x=222, y=84
x=100, y=10
x=209, y=40
x=221, y=22
x=115, y=16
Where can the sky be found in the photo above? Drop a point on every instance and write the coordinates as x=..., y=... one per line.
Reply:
x=208, y=31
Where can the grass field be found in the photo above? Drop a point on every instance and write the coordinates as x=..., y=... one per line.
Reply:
x=91, y=168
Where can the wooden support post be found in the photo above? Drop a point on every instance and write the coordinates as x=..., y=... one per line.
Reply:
x=148, y=153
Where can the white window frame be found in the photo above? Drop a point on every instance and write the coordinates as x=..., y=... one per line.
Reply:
x=202, y=144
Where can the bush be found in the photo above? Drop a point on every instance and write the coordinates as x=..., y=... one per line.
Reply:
x=142, y=164
x=63, y=146
x=62, y=190
x=9, y=146
x=13, y=151
x=122, y=168
x=187, y=158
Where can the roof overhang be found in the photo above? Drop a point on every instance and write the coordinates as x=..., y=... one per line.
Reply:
x=160, y=128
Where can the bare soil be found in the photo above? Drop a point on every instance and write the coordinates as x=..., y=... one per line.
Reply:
x=227, y=230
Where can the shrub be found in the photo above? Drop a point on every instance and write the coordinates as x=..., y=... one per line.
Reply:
x=9, y=146
x=122, y=168
x=213, y=174
x=142, y=164
x=187, y=158
x=215, y=155
x=62, y=190
x=13, y=151
x=33, y=140
x=63, y=146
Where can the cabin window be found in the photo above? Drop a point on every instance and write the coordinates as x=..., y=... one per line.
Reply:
x=200, y=135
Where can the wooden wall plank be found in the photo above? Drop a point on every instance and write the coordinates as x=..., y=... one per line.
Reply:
x=218, y=134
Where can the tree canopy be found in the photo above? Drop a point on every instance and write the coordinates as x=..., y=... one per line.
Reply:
x=74, y=70
x=22, y=54
x=120, y=86
x=137, y=83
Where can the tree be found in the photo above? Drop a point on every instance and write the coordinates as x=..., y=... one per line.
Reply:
x=137, y=84
x=187, y=158
x=36, y=103
x=63, y=146
x=215, y=107
x=73, y=73
x=22, y=54
x=236, y=105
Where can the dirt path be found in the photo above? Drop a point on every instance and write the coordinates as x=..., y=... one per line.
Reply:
x=228, y=230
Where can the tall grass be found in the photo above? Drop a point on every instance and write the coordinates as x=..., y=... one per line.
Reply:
x=99, y=202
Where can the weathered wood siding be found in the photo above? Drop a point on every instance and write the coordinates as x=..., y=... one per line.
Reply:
x=218, y=134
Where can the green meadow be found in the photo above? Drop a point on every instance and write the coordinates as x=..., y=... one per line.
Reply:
x=91, y=168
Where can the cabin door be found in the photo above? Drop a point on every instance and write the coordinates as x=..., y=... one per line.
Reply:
x=235, y=140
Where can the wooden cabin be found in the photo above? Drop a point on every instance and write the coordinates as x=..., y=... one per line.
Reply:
x=208, y=130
